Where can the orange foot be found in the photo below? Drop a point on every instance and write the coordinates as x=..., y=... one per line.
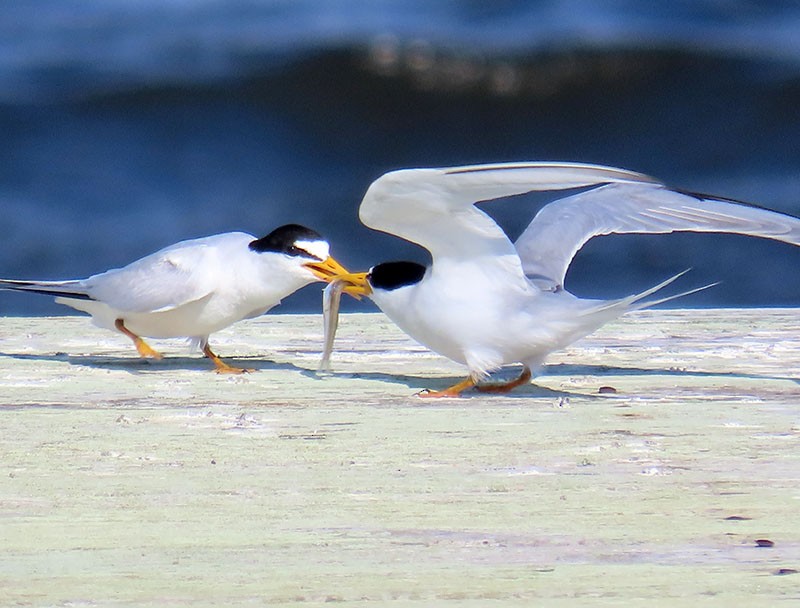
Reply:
x=222, y=367
x=504, y=387
x=452, y=391
x=143, y=348
x=498, y=387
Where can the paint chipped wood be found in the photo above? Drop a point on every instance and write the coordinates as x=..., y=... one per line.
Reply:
x=656, y=461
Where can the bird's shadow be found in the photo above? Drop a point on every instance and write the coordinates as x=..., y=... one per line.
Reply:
x=136, y=365
x=566, y=369
x=533, y=389
x=438, y=383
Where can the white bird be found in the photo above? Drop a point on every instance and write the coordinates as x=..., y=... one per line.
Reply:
x=485, y=302
x=196, y=287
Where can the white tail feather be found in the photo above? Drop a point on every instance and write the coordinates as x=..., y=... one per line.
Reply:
x=627, y=303
x=642, y=305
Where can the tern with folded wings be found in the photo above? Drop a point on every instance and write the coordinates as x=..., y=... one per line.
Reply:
x=196, y=287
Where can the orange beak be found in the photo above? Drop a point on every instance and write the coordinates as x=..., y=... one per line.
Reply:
x=327, y=270
x=358, y=284
x=330, y=270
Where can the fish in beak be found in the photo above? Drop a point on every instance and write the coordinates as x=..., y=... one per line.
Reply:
x=330, y=270
x=357, y=283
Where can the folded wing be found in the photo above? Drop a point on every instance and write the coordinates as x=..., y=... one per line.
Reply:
x=159, y=282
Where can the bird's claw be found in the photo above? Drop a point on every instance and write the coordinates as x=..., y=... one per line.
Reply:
x=427, y=393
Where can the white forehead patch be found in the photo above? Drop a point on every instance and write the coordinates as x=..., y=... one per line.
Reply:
x=317, y=249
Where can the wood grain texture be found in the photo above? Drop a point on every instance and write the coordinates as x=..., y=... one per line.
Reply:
x=643, y=467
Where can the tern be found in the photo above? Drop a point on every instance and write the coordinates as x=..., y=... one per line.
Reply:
x=486, y=302
x=196, y=287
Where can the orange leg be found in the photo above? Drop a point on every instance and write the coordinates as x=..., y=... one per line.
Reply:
x=222, y=367
x=499, y=387
x=452, y=391
x=504, y=387
x=145, y=350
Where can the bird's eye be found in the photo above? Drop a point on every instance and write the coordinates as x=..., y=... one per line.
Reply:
x=293, y=250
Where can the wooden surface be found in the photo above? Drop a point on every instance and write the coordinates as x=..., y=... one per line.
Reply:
x=133, y=483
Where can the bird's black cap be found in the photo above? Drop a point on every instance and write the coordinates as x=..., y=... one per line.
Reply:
x=283, y=239
x=393, y=275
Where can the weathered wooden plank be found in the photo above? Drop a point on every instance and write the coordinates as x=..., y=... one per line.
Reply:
x=133, y=483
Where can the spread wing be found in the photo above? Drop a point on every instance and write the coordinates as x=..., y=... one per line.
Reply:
x=560, y=229
x=435, y=207
x=158, y=282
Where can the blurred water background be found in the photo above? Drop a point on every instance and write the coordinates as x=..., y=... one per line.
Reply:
x=128, y=125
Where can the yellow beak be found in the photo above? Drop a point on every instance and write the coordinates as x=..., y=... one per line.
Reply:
x=327, y=270
x=358, y=284
x=331, y=270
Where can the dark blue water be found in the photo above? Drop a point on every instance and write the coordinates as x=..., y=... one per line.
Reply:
x=129, y=125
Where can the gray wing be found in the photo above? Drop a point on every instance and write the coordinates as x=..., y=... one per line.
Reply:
x=560, y=229
x=159, y=282
x=435, y=207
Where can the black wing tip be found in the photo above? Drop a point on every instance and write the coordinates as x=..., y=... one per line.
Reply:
x=34, y=287
x=700, y=196
x=63, y=294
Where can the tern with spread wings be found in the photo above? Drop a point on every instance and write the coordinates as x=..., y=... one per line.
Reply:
x=486, y=302
x=196, y=287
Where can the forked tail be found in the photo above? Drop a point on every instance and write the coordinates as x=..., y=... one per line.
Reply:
x=636, y=301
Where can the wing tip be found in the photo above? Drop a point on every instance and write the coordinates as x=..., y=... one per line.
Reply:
x=55, y=289
x=566, y=165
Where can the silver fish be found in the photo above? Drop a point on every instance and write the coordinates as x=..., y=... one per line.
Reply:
x=331, y=298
